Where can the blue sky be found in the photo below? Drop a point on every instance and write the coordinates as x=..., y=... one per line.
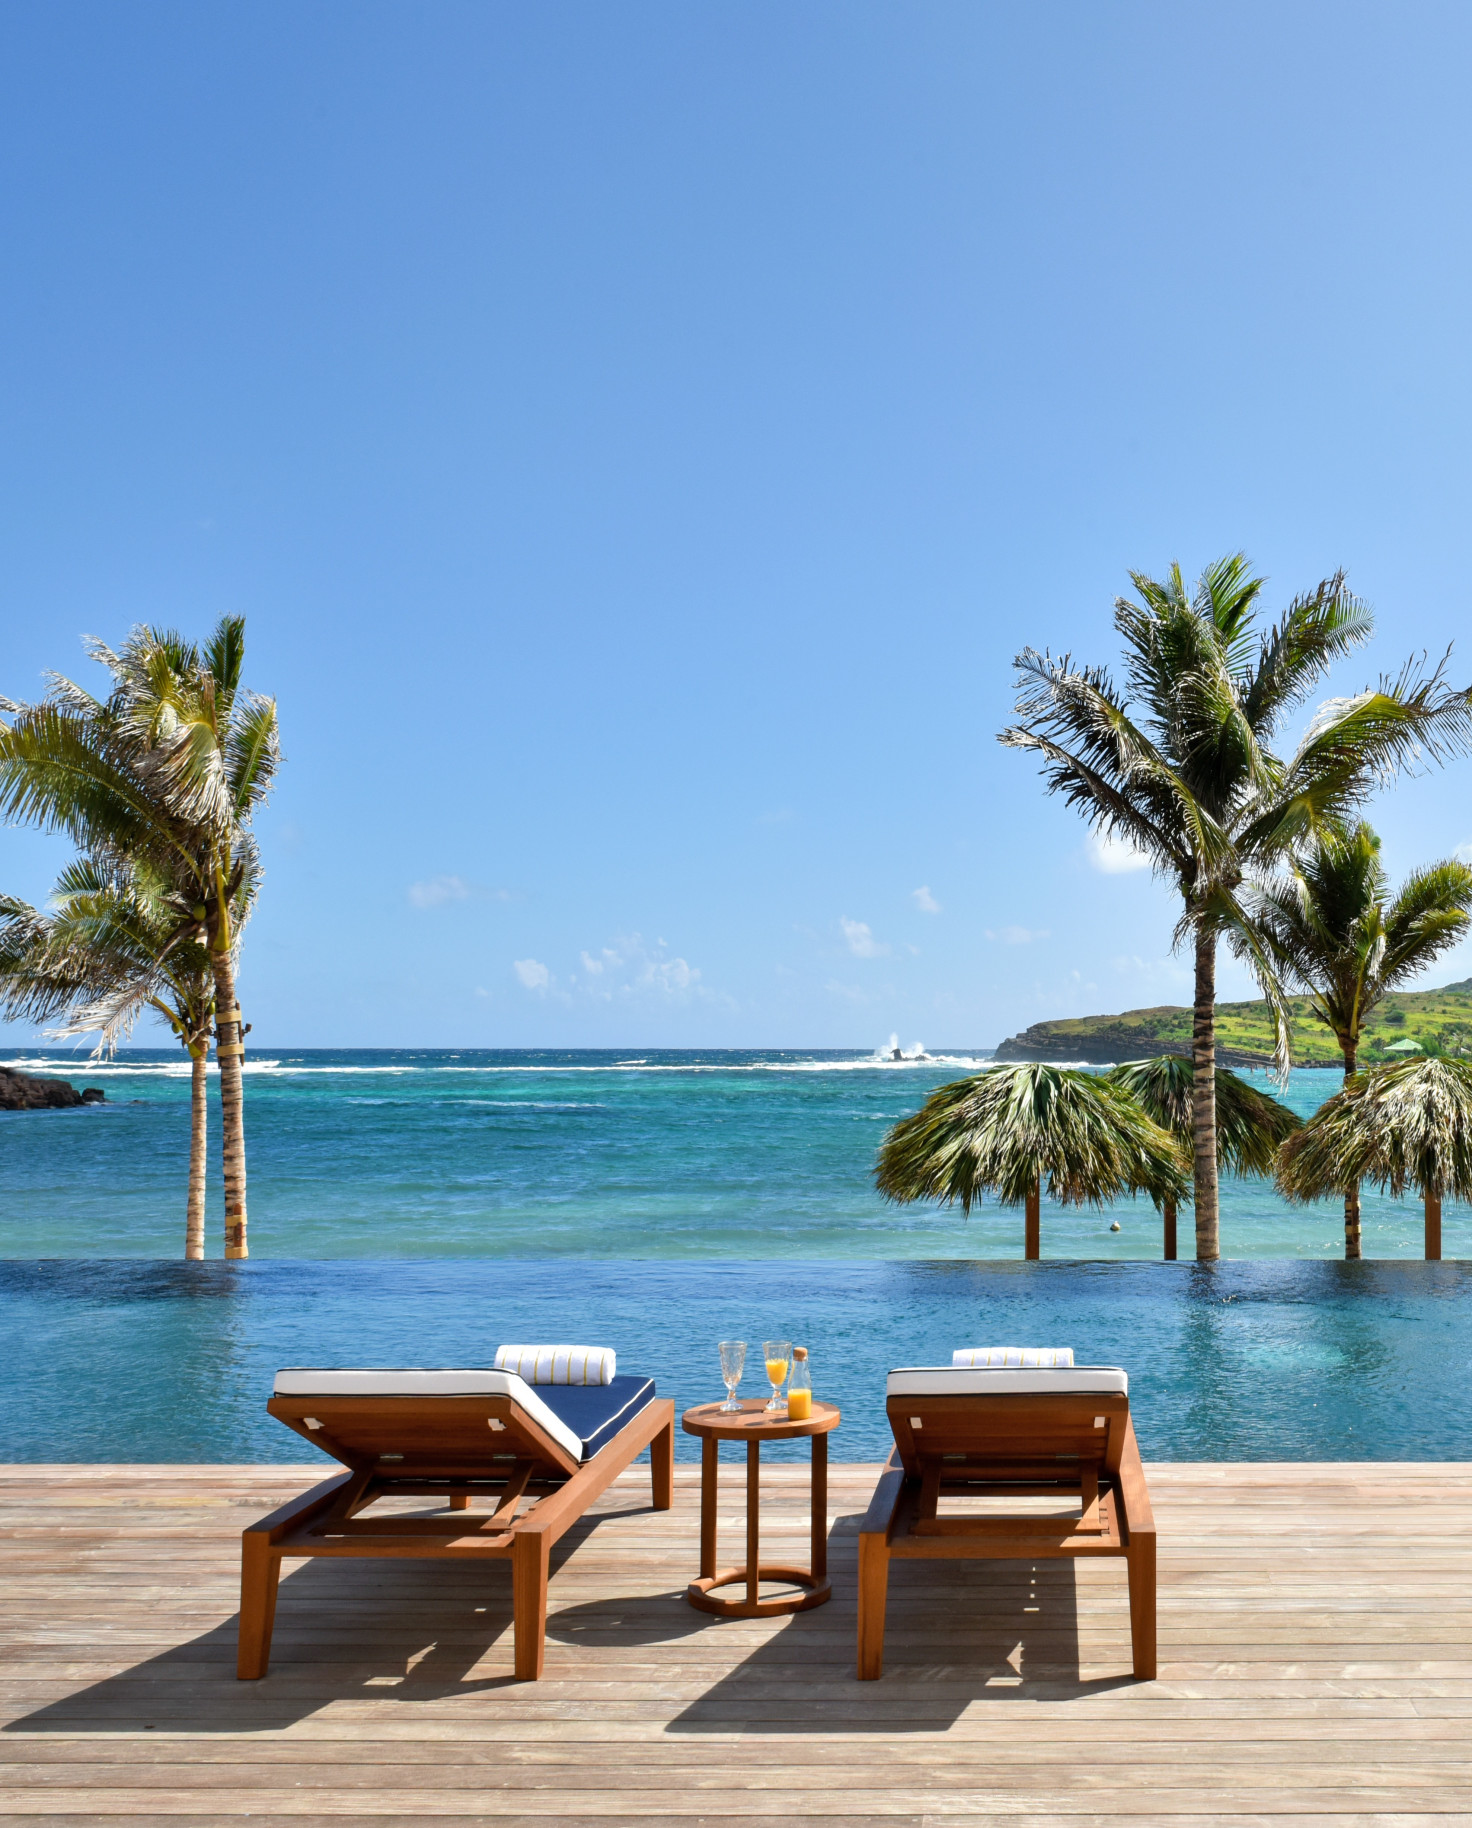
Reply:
x=640, y=437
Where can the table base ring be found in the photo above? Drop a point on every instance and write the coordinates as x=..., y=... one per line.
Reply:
x=816, y=1590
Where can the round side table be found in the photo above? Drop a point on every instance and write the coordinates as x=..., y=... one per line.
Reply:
x=753, y=1424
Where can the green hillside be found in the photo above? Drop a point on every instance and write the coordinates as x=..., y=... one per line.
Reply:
x=1244, y=1036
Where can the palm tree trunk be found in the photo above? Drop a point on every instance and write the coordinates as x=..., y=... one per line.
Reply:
x=1352, y=1238
x=1169, y=1213
x=1032, y=1247
x=228, y=1052
x=1203, y=1100
x=198, y=1138
x=1433, y=1228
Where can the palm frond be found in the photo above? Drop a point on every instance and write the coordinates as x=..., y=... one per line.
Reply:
x=1402, y=1127
x=1250, y=1126
x=1012, y=1128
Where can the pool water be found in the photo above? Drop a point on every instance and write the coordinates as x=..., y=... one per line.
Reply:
x=137, y=1360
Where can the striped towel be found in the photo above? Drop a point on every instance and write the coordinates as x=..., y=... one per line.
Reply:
x=559, y=1364
x=1041, y=1357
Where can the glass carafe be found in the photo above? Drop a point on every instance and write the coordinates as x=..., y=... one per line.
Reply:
x=800, y=1387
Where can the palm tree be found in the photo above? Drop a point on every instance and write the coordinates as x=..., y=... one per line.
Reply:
x=1250, y=1126
x=119, y=944
x=1178, y=764
x=1337, y=934
x=1012, y=1128
x=166, y=772
x=1403, y=1126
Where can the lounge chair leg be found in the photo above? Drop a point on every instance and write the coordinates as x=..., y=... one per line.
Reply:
x=531, y=1555
x=662, y=1467
x=873, y=1597
x=459, y=1501
x=260, y=1571
x=1141, y=1565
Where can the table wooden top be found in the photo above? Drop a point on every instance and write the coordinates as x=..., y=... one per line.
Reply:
x=756, y=1422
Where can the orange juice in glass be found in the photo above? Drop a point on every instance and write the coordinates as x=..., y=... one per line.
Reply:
x=800, y=1387
x=778, y=1354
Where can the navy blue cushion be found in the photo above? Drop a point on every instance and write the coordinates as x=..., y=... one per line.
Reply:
x=596, y=1412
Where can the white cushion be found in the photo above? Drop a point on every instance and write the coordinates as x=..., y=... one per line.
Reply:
x=952, y=1380
x=559, y=1364
x=431, y=1383
x=1017, y=1356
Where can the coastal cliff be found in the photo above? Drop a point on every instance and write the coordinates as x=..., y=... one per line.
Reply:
x=1244, y=1034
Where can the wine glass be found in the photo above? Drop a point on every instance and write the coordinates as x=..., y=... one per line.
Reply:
x=778, y=1354
x=733, y=1362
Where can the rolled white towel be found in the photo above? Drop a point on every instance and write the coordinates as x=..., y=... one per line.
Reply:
x=1028, y=1357
x=559, y=1364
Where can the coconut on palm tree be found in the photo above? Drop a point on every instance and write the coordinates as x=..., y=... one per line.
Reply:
x=166, y=774
x=1339, y=935
x=1406, y=1128
x=1250, y=1126
x=1014, y=1130
x=118, y=944
x=1179, y=764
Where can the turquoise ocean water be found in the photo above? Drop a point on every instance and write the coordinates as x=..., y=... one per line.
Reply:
x=425, y=1207
x=656, y=1155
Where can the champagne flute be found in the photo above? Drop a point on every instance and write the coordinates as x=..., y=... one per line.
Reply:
x=778, y=1354
x=733, y=1362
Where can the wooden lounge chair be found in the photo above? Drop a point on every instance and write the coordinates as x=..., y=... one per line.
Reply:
x=461, y=1435
x=1062, y=1432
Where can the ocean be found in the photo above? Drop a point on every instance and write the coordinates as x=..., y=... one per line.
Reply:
x=671, y=1156
x=424, y=1207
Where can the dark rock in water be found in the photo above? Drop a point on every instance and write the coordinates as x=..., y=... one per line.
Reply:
x=20, y=1092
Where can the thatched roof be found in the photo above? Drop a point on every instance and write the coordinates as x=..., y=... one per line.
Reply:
x=1250, y=1126
x=1407, y=1126
x=1005, y=1131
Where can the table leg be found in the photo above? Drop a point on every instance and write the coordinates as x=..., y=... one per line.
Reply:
x=709, y=1475
x=820, y=1507
x=753, y=1521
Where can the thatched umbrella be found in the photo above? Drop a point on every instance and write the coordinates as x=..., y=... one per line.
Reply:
x=1013, y=1128
x=1250, y=1126
x=1407, y=1126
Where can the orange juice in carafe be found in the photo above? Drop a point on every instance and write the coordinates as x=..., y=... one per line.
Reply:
x=800, y=1389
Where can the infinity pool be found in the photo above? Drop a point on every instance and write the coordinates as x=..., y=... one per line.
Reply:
x=1280, y=1360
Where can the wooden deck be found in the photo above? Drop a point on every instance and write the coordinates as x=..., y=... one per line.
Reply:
x=1316, y=1668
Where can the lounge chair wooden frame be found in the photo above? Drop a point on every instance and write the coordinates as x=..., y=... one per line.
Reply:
x=459, y=1447
x=1068, y=1445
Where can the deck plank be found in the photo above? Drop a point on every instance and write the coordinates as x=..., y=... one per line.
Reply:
x=1316, y=1668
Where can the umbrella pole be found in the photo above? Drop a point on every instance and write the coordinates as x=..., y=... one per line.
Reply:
x=1169, y=1211
x=1433, y=1228
x=1032, y=1247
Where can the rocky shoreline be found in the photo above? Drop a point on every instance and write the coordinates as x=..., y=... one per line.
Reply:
x=22, y=1092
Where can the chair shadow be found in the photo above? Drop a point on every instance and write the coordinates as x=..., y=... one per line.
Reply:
x=958, y=1632
x=345, y=1630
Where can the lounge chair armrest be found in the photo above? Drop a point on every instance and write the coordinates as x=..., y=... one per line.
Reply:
x=1133, y=1493
x=880, y=1516
x=283, y=1521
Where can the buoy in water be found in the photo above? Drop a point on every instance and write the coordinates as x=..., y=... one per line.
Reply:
x=1115, y=1226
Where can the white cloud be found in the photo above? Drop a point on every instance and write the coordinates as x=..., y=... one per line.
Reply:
x=861, y=942
x=925, y=901
x=1463, y=852
x=534, y=975
x=1115, y=856
x=1017, y=936
x=435, y=891
x=438, y=890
